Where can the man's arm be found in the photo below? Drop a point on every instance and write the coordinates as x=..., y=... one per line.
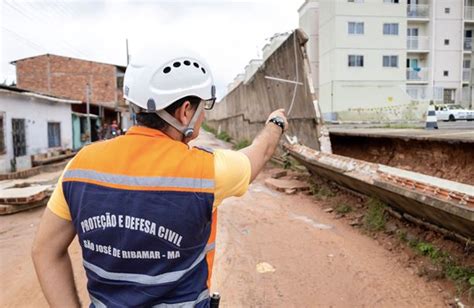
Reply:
x=52, y=262
x=264, y=145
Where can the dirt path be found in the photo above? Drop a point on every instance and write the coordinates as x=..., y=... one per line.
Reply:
x=318, y=261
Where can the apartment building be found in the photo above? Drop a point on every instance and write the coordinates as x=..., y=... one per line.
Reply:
x=387, y=59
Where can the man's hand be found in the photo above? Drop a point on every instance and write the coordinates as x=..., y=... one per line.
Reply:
x=279, y=113
x=264, y=145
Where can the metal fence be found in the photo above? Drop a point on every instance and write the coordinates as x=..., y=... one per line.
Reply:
x=418, y=11
x=468, y=43
x=469, y=12
x=417, y=74
x=418, y=42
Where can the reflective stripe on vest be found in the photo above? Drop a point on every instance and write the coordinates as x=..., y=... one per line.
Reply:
x=203, y=296
x=138, y=181
x=142, y=206
x=146, y=279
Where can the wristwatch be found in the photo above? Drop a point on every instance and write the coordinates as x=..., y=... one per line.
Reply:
x=278, y=121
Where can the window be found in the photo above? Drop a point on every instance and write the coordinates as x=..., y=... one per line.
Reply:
x=356, y=61
x=447, y=10
x=446, y=42
x=19, y=139
x=390, y=1
x=390, y=29
x=356, y=27
x=2, y=134
x=119, y=82
x=445, y=73
x=54, y=134
x=390, y=61
x=466, y=64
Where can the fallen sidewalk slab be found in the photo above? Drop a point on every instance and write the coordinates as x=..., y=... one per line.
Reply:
x=21, y=195
x=443, y=203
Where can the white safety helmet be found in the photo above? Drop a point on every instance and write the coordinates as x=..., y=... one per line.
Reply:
x=157, y=77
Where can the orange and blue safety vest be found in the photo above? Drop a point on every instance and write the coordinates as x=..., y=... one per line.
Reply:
x=142, y=206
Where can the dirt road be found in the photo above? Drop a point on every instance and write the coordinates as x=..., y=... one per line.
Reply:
x=314, y=260
x=318, y=261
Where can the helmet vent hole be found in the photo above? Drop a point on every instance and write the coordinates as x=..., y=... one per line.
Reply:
x=176, y=64
x=187, y=63
x=166, y=70
x=203, y=70
x=196, y=65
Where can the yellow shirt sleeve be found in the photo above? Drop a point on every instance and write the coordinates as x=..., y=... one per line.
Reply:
x=57, y=203
x=232, y=174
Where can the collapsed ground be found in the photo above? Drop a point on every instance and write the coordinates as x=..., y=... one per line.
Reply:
x=451, y=161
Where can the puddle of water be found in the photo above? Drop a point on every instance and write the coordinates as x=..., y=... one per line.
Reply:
x=311, y=222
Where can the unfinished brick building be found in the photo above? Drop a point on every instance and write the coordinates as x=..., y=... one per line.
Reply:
x=70, y=78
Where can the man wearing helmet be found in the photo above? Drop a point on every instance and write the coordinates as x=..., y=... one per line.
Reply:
x=146, y=220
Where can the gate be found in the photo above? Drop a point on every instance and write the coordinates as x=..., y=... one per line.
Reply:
x=19, y=139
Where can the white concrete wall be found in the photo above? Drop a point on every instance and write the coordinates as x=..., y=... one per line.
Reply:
x=309, y=22
x=251, y=68
x=37, y=112
x=448, y=58
x=343, y=88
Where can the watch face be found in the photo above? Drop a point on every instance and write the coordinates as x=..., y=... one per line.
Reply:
x=279, y=120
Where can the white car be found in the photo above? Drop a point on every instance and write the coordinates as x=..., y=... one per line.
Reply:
x=451, y=112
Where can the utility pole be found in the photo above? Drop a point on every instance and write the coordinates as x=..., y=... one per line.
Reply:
x=130, y=111
x=88, y=98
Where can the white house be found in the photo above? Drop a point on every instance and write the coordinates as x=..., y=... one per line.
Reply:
x=30, y=124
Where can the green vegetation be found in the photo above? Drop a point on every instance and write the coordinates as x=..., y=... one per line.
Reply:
x=321, y=192
x=402, y=235
x=461, y=275
x=343, y=209
x=224, y=136
x=208, y=128
x=241, y=144
x=375, y=218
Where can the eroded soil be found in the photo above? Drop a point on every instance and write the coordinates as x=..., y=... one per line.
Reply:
x=453, y=162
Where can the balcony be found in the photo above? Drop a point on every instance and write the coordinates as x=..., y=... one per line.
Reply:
x=417, y=74
x=469, y=13
x=466, y=75
x=418, y=43
x=418, y=11
x=468, y=43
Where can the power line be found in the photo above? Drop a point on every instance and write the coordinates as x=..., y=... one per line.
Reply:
x=38, y=17
x=31, y=43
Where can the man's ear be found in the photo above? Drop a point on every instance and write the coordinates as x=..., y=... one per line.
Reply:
x=184, y=113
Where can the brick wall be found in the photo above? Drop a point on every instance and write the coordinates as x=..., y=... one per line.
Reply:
x=68, y=77
x=32, y=74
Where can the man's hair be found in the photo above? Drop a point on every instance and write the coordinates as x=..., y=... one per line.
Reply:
x=152, y=120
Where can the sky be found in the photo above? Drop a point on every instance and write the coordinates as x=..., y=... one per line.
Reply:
x=228, y=34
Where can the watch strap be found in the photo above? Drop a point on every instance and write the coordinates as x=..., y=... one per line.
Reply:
x=278, y=121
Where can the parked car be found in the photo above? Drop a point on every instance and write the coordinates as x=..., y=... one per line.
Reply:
x=452, y=112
